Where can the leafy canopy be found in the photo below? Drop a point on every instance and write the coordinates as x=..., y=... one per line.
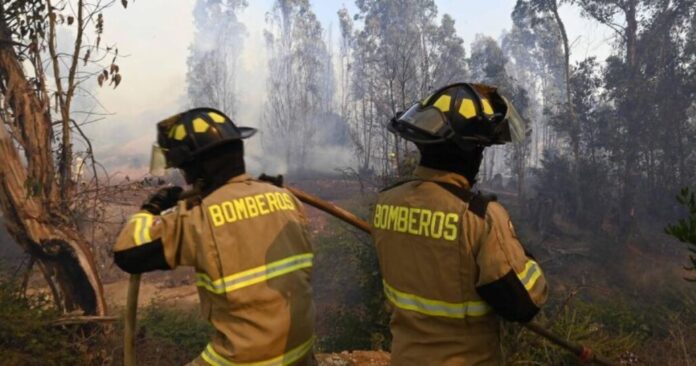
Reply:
x=685, y=229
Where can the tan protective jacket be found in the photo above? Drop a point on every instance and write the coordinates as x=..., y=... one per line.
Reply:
x=439, y=259
x=248, y=244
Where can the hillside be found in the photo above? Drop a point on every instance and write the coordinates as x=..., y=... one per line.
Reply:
x=617, y=298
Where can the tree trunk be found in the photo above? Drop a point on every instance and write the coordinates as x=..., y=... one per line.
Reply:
x=32, y=215
x=575, y=135
x=630, y=177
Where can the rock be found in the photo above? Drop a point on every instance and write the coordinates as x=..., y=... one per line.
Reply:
x=354, y=358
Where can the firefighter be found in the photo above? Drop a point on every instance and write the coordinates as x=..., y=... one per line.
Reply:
x=246, y=240
x=451, y=262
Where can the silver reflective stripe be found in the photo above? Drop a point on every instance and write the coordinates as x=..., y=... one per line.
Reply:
x=530, y=274
x=141, y=231
x=255, y=275
x=431, y=307
x=288, y=358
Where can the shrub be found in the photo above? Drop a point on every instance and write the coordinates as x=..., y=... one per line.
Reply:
x=348, y=292
x=186, y=330
x=611, y=331
x=27, y=335
x=685, y=229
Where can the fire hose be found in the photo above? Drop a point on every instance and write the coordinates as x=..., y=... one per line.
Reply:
x=584, y=353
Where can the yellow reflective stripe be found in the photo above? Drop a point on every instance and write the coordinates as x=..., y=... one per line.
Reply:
x=136, y=230
x=425, y=306
x=288, y=358
x=530, y=274
x=254, y=275
x=141, y=231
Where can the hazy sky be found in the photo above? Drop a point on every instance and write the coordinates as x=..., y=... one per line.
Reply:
x=154, y=37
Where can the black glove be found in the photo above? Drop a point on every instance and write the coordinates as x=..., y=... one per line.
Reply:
x=161, y=200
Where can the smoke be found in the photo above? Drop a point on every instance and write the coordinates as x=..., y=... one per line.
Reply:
x=155, y=67
x=156, y=86
x=329, y=147
x=332, y=150
x=330, y=158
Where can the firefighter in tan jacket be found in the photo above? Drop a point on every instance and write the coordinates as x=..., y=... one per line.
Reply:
x=246, y=240
x=451, y=262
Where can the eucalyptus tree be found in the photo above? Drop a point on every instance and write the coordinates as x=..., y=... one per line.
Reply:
x=629, y=119
x=300, y=85
x=535, y=51
x=215, y=53
x=399, y=53
x=647, y=82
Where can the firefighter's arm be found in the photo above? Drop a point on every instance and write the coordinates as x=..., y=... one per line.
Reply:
x=510, y=281
x=152, y=240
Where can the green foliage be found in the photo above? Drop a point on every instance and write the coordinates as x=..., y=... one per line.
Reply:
x=685, y=229
x=185, y=329
x=406, y=72
x=348, y=292
x=27, y=336
x=628, y=142
x=651, y=331
x=607, y=329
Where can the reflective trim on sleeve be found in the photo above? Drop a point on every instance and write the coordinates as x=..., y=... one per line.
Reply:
x=141, y=231
x=530, y=274
x=288, y=358
x=254, y=275
x=425, y=306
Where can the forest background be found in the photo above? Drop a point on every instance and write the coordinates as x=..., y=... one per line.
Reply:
x=608, y=86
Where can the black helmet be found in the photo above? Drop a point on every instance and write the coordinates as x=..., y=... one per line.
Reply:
x=182, y=137
x=466, y=114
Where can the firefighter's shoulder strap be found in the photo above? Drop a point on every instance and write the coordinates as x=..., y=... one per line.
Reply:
x=399, y=183
x=478, y=202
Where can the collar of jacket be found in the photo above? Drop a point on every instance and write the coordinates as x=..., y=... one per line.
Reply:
x=444, y=176
x=240, y=178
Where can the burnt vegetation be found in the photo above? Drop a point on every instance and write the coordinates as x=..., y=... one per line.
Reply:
x=591, y=190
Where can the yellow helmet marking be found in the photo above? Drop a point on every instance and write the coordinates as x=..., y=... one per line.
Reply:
x=467, y=109
x=169, y=122
x=443, y=103
x=200, y=125
x=217, y=118
x=179, y=132
x=487, y=109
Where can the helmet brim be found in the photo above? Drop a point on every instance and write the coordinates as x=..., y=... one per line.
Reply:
x=406, y=132
x=246, y=132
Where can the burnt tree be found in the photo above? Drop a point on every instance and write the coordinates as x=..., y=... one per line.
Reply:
x=37, y=186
